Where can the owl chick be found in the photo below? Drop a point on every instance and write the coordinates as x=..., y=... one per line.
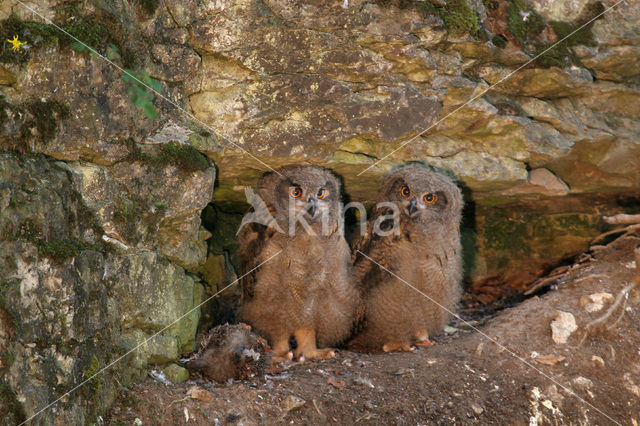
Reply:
x=305, y=290
x=414, y=234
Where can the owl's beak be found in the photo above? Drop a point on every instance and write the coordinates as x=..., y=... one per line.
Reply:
x=413, y=206
x=311, y=206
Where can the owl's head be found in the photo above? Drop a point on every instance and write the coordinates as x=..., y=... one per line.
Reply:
x=422, y=195
x=298, y=194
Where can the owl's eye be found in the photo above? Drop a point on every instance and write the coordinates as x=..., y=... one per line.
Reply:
x=430, y=198
x=295, y=192
x=321, y=193
x=404, y=191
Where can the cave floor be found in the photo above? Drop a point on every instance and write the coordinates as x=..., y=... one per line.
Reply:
x=522, y=377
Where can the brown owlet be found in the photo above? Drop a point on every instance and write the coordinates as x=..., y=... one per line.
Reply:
x=306, y=290
x=414, y=234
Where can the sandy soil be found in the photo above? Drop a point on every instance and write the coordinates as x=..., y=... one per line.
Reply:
x=506, y=370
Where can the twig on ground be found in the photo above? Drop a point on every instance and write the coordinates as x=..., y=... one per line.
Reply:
x=620, y=299
x=179, y=400
x=622, y=296
x=622, y=219
x=626, y=231
x=540, y=284
x=590, y=277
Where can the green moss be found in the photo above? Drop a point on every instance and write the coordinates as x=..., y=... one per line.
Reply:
x=491, y=4
x=149, y=6
x=499, y=41
x=45, y=118
x=97, y=382
x=88, y=29
x=66, y=11
x=528, y=33
x=127, y=211
x=459, y=17
x=160, y=206
x=560, y=53
x=127, y=215
x=10, y=408
x=89, y=32
x=186, y=157
x=525, y=30
x=58, y=251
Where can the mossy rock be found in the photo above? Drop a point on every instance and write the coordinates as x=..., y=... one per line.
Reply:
x=46, y=116
x=175, y=373
x=11, y=410
x=87, y=29
x=185, y=157
x=460, y=18
x=149, y=6
x=457, y=15
x=525, y=30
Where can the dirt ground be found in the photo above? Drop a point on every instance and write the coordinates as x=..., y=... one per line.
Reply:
x=521, y=377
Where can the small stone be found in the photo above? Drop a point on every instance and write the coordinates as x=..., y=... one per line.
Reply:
x=597, y=361
x=477, y=409
x=292, y=402
x=175, y=373
x=200, y=394
x=450, y=330
x=546, y=179
x=582, y=382
x=595, y=302
x=562, y=326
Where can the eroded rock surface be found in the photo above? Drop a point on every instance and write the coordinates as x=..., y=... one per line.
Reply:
x=102, y=243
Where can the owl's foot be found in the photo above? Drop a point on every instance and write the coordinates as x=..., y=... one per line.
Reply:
x=280, y=349
x=324, y=353
x=306, y=339
x=397, y=347
x=275, y=359
x=422, y=339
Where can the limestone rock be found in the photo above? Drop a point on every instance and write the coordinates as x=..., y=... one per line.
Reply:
x=546, y=179
x=74, y=299
x=560, y=10
x=562, y=326
x=112, y=230
x=595, y=302
x=175, y=373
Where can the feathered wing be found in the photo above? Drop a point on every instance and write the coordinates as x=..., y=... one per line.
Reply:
x=253, y=238
x=368, y=253
x=367, y=270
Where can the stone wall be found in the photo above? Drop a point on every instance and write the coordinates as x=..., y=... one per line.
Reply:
x=101, y=243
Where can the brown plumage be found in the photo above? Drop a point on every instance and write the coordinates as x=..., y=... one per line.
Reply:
x=425, y=252
x=306, y=290
x=229, y=352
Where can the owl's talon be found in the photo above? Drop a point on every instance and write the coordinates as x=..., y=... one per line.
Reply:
x=398, y=347
x=276, y=358
x=326, y=353
x=425, y=343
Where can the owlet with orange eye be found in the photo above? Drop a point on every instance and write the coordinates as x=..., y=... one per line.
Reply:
x=420, y=248
x=296, y=267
